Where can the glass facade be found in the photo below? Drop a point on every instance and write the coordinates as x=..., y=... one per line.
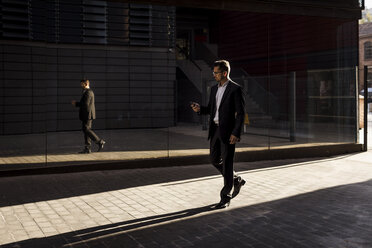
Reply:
x=146, y=63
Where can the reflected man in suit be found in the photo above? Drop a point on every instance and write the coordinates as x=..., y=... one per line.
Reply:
x=226, y=111
x=87, y=113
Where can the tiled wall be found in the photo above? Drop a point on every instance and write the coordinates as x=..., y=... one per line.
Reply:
x=134, y=87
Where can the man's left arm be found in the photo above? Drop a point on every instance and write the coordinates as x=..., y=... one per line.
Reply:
x=239, y=112
x=87, y=99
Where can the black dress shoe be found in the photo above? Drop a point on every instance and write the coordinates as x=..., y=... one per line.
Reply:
x=237, y=185
x=85, y=151
x=221, y=204
x=101, y=144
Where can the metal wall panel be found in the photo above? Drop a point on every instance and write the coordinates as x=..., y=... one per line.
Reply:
x=129, y=90
x=88, y=22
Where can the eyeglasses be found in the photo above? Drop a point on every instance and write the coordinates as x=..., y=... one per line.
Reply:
x=216, y=72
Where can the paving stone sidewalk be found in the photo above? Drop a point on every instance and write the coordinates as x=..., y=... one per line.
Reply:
x=286, y=203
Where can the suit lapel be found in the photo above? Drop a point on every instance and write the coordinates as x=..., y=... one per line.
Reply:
x=227, y=90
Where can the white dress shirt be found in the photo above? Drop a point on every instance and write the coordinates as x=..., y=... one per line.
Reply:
x=220, y=91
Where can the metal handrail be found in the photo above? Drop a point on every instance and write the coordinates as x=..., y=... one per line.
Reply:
x=181, y=50
x=260, y=95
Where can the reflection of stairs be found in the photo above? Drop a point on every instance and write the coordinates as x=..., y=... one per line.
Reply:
x=196, y=71
x=205, y=69
x=199, y=71
x=256, y=115
x=258, y=100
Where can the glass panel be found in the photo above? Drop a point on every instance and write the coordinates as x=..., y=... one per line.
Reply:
x=133, y=99
x=22, y=107
x=201, y=40
x=297, y=72
x=331, y=106
x=313, y=79
x=362, y=95
x=247, y=50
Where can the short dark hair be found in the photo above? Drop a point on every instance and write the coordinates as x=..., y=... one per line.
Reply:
x=85, y=81
x=224, y=65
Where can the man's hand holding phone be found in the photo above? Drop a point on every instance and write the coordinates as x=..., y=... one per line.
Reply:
x=195, y=106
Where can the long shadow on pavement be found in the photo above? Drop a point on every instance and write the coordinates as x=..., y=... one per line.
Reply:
x=332, y=217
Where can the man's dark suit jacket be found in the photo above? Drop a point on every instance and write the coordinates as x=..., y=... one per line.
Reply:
x=87, y=109
x=231, y=111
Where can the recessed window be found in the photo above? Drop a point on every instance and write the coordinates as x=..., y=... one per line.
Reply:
x=368, y=50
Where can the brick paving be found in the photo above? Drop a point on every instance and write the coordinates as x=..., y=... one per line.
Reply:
x=285, y=203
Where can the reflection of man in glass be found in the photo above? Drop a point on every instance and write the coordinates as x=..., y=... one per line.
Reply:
x=226, y=110
x=87, y=113
x=325, y=92
x=325, y=87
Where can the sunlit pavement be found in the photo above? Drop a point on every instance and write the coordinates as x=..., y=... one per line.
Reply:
x=286, y=203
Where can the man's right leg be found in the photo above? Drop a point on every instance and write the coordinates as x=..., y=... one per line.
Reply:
x=87, y=140
x=93, y=136
x=89, y=132
x=215, y=155
x=217, y=161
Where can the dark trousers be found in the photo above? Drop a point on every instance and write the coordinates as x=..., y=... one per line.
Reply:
x=222, y=157
x=89, y=135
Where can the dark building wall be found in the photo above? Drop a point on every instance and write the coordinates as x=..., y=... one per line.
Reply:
x=47, y=47
x=87, y=22
x=328, y=8
x=133, y=87
x=271, y=43
x=270, y=46
x=262, y=44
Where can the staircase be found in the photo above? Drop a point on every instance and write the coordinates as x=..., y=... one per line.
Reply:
x=256, y=113
x=206, y=70
x=256, y=116
x=257, y=99
x=196, y=71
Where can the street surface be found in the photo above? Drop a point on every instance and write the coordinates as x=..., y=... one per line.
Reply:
x=286, y=203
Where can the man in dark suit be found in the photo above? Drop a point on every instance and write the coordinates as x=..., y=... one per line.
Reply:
x=87, y=113
x=226, y=110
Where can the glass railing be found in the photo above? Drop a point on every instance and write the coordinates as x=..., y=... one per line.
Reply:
x=300, y=90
